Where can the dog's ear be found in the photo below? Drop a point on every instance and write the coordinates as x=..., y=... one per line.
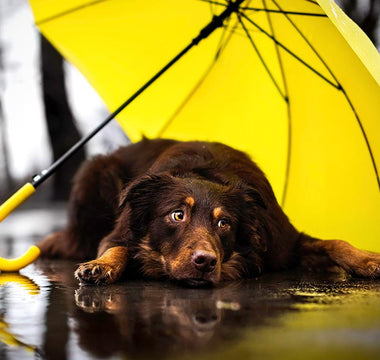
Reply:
x=253, y=198
x=251, y=195
x=253, y=228
x=145, y=188
x=139, y=199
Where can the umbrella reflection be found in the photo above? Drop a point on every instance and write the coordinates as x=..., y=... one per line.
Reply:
x=20, y=280
x=9, y=339
x=6, y=335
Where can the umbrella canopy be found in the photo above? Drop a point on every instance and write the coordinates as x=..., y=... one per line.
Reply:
x=294, y=83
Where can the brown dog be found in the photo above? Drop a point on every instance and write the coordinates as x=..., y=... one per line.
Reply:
x=197, y=212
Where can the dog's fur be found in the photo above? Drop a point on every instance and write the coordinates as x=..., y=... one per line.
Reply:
x=197, y=212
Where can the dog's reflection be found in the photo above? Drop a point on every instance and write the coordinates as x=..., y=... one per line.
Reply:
x=144, y=320
x=148, y=317
x=137, y=319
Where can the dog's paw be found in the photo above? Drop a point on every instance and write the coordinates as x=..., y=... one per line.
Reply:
x=94, y=272
x=368, y=267
x=362, y=263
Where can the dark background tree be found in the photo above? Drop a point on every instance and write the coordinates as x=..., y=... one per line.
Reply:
x=8, y=180
x=62, y=129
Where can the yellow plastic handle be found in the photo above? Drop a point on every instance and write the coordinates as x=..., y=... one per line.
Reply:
x=18, y=263
x=15, y=200
x=5, y=209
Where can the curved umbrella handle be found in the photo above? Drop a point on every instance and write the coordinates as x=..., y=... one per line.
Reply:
x=18, y=263
x=5, y=209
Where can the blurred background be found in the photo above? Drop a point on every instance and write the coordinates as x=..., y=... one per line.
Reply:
x=46, y=105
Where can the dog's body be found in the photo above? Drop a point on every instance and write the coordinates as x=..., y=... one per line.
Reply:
x=196, y=212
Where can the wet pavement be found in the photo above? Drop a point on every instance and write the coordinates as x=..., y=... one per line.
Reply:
x=46, y=314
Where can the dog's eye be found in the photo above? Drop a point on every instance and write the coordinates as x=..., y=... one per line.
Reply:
x=223, y=223
x=177, y=215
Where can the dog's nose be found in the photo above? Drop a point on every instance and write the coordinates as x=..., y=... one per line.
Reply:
x=204, y=261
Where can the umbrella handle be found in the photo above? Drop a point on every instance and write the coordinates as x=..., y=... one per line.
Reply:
x=5, y=209
x=16, y=199
x=10, y=265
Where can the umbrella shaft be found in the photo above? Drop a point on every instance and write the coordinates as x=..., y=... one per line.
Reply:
x=215, y=23
x=39, y=178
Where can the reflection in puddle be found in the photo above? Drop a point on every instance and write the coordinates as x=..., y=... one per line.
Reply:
x=160, y=320
x=149, y=318
x=20, y=280
x=45, y=314
x=14, y=290
x=6, y=335
x=9, y=339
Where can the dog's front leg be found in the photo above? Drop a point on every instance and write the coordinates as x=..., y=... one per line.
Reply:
x=326, y=254
x=106, y=269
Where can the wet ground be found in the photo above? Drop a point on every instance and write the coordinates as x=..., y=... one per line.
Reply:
x=46, y=314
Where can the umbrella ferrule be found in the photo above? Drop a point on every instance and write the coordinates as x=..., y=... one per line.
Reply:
x=217, y=21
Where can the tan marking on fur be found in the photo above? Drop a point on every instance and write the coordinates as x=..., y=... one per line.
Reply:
x=189, y=201
x=217, y=212
x=115, y=255
x=202, y=240
x=181, y=260
x=153, y=263
x=105, y=269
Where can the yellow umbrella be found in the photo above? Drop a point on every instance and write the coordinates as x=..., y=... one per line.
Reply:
x=295, y=83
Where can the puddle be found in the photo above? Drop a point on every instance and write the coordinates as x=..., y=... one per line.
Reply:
x=45, y=314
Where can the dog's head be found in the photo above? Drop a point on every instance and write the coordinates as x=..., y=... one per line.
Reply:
x=193, y=230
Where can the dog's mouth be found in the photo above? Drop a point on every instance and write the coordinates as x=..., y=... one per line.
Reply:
x=196, y=283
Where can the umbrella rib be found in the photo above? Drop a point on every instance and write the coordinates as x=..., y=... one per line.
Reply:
x=339, y=87
x=365, y=138
x=187, y=99
x=222, y=45
x=290, y=52
x=214, y=2
x=261, y=58
x=313, y=2
x=278, y=55
x=286, y=89
x=309, y=43
x=282, y=12
x=67, y=12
